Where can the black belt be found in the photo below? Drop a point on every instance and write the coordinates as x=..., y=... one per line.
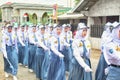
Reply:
x=39, y=47
x=31, y=44
x=118, y=66
x=13, y=45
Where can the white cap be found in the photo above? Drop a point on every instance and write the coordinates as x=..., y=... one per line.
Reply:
x=64, y=25
x=15, y=26
x=7, y=25
x=54, y=25
x=115, y=24
x=50, y=25
x=41, y=26
x=108, y=24
x=81, y=26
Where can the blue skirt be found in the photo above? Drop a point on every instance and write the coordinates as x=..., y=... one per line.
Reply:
x=31, y=59
x=100, y=71
x=56, y=69
x=21, y=53
x=71, y=57
x=40, y=53
x=12, y=59
x=45, y=65
x=67, y=54
x=78, y=73
x=114, y=73
x=25, y=61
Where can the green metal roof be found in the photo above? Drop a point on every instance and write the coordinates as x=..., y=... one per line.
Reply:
x=60, y=11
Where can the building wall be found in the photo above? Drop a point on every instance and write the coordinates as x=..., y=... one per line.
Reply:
x=105, y=8
x=39, y=13
x=17, y=14
x=102, y=8
x=7, y=14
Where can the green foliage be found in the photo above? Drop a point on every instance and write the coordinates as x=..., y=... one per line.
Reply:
x=30, y=18
x=77, y=1
x=0, y=15
x=44, y=18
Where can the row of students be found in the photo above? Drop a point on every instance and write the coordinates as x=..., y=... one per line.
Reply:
x=48, y=52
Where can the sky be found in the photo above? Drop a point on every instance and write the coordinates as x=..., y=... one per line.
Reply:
x=59, y=2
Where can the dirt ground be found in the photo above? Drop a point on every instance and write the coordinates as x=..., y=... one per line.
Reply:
x=23, y=73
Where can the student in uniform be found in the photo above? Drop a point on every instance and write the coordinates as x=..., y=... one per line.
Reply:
x=106, y=37
x=50, y=29
x=32, y=49
x=81, y=66
x=9, y=47
x=112, y=53
x=56, y=69
x=70, y=40
x=15, y=32
x=41, y=51
x=3, y=30
x=67, y=50
x=21, y=38
x=25, y=61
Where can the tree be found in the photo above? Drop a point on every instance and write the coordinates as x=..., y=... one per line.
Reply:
x=76, y=1
x=0, y=15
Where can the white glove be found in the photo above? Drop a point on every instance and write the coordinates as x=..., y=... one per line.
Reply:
x=88, y=69
x=106, y=70
x=61, y=55
x=35, y=43
x=68, y=45
x=5, y=55
x=46, y=49
x=23, y=44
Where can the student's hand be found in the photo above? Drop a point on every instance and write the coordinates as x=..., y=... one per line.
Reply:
x=88, y=69
x=23, y=44
x=5, y=55
x=61, y=56
x=106, y=70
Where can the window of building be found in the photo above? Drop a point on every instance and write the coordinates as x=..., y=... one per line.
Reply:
x=96, y=31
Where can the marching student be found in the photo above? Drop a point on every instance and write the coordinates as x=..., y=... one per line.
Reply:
x=32, y=49
x=50, y=29
x=56, y=69
x=9, y=48
x=106, y=37
x=67, y=50
x=15, y=32
x=25, y=61
x=21, y=47
x=112, y=53
x=70, y=40
x=80, y=69
x=41, y=53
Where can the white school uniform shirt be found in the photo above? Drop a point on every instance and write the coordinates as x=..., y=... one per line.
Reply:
x=42, y=39
x=32, y=38
x=54, y=45
x=6, y=41
x=16, y=34
x=78, y=51
x=112, y=52
x=54, y=42
x=67, y=36
x=27, y=35
x=21, y=38
x=77, y=46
